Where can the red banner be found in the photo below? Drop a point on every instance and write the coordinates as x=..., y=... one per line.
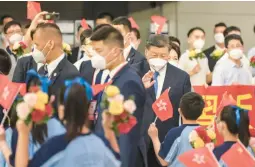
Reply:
x=244, y=96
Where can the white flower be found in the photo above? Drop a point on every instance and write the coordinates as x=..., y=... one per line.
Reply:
x=119, y=98
x=129, y=106
x=30, y=99
x=193, y=136
x=23, y=110
x=16, y=46
x=198, y=51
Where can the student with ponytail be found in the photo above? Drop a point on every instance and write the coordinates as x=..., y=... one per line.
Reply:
x=233, y=125
x=78, y=146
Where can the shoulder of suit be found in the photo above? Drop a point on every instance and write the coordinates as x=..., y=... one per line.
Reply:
x=139, y=55
x=210, y=49
x=176, y=71
x=25, y=59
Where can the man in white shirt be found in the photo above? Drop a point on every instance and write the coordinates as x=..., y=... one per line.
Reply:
x=198, y=69
x=232, y=71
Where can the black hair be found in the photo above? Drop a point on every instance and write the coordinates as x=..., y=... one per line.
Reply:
x=221, y=24
x=228, y=115
x=122, y=20
x=5, y=62
x=84, y=35
x=158, y=40
x=4, y=17
x=174, y=39
x=192, y=105
x=105, y=15
x=108, y=34
x=230, y=29
x=230, y=37
x=194, y=29
x=100, y=26
x=9, y=24
x=137, y=33
x=76, y=109
x=45, y=26
x=176, y=48
x=27, y=25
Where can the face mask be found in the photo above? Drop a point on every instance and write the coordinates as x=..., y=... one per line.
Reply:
x=15, y=38
x=38, y=55
x=199, y=44
x=157, y=64
x=219, y=38
x=173, y=62
x=236, y=54
x=98, y=61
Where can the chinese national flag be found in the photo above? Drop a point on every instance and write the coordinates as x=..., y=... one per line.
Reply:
x=8, y=94
x=33, y=8
x=84, y=24
x=99, y=87
x=159, y=22
x=227, y=99
x=201, y=157
x=238, y=156
x=133, y=23
x=163, y=107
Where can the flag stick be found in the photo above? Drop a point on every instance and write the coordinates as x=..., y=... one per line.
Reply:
x=155, y=120
x=5, y=116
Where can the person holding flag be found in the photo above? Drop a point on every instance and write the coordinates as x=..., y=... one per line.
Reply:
x=157, y=81
x=233, y=125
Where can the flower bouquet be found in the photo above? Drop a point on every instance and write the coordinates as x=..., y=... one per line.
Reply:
x=217, y=54
x=196, y=54
x=201, y=137
x=252, y=61
x=34, y=107
x=67, y=48
x=19, y=48
x=113, y=103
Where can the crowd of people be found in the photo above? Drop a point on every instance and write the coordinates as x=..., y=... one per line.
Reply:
x=109, y=53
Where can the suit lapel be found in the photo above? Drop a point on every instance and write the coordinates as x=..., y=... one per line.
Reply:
x=55, y=74
x=131, y=55
x=120, y=72
x=168, y=79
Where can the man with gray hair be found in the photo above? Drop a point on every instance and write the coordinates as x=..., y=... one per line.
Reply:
x=160, y=77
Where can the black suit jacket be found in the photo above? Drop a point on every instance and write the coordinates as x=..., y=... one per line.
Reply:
x=130, y=84
x=74, y=57
x=179, y=81
x=24, y=64
x=87, y=71
x=211, y=62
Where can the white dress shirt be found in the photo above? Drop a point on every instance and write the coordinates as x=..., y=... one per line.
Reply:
x=53, y=65
x=161, y=80
x=127, y=51
x=188, y=65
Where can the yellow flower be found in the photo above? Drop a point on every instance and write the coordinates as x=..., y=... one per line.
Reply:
x=42, y=99
x=116, y=108
x=66, y=48
x=218, y=53
x=192, y=53
x=112, y=91
x=198, y=143
x=211, y=134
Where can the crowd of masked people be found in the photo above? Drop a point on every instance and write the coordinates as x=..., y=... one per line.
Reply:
x=106, y=53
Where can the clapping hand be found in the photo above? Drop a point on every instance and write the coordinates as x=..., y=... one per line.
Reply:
x=147, y=79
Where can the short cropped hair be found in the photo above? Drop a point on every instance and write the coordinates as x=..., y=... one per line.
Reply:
x=105, y=15
x=230, y=29
x=108, y=34
x=137, y=33
x=4, y=17
x=192, y=105
x=9, y=24
x=158, y=40
x=45, y=26
x=122, y=20
x=194, y=29
x=221, y=24
x=230, y=37
x=5, y=62
x=84, y=35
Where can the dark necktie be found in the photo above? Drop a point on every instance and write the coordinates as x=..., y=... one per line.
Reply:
x=44, y=71
x=82, y=54
x=155, y=78
x=99, y=77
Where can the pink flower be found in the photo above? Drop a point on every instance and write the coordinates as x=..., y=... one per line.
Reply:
x=23, y=110
x=30, y=99
x=129, y=106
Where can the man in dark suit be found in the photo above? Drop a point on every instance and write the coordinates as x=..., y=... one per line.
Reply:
x=219, y=44
x=108, y=43
x=161, y=76
x=132, y=56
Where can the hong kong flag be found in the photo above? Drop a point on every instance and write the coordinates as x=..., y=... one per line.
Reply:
x=201, y=157
x=159, y=22
x=227, y=99
x=84, y=24
x=163, y=107
x=133, y=23
x=33, y=8
x=99, y=88
x=238, y=156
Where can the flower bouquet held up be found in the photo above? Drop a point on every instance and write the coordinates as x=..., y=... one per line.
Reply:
x=252, y=62
x=196, y=54
x=35, y=107
x=19, y=48
x=113, y=103
x=217, y=54
x=67, y=49
x=201, y=137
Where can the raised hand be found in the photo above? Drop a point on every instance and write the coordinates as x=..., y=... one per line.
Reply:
x=147, y=79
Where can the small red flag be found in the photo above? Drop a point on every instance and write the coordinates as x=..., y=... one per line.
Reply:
x=84, y=24
x=240, y=155
x=159, y=22
x=163, y=107
x=4, y=81
x=8, y=94
x=219, y=137
x=200, y=157
x=227, y=99
x=133, y=23
x=33, y=8
x=99, y=87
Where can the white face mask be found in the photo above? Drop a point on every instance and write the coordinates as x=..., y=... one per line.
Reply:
x=157, y=64
x=98, y=61
x=15, y=38
x=199, y=44
x=219, y=38
x=236, y=54
x=38, y=55
x=173, y=62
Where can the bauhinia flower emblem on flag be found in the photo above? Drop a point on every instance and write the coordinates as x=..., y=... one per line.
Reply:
x=162, y=105
x=6, y=93
x=199, y=159
x=113, y=103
